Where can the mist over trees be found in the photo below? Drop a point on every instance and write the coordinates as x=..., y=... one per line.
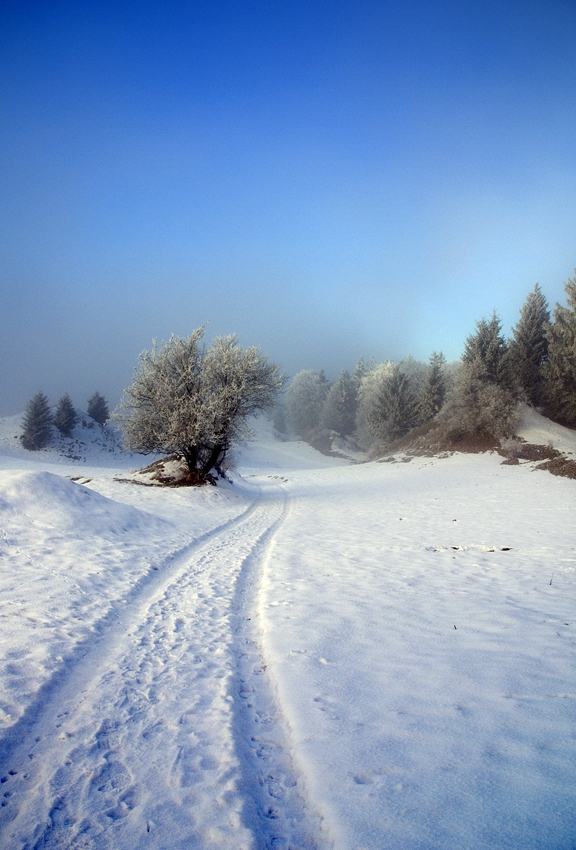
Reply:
x=305, y=400
x=195, y=401
x=478, y=395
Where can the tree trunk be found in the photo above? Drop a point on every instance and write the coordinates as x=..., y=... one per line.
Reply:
x=213, y=459
x=191, y=457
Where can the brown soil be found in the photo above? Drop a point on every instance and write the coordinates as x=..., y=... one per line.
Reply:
x=181, y=477
x=426, y=441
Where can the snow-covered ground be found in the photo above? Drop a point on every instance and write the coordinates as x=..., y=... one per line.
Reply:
x=319, y=655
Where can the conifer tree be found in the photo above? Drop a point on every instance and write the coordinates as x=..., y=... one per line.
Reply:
x=434, y=389
x=305, y=399
x=482, y=400
x=560, y=369
x=339, y=413
x=65, y=416
x=98, y=408
x=37, y=423
x=487, y=349
x=359, y=372
x=396, y=408
x=529, y=348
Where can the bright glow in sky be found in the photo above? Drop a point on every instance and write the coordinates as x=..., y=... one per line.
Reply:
x=326, y=179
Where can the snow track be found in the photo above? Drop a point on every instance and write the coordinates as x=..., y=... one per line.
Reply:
x=164, y=732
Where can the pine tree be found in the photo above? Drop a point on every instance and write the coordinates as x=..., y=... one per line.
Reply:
x=488, y=350
x=37, y=423
x=359, y=372
x=529, y=348
x=559, y=371
x=396, y=409
x=339, y=413
x=482, y=400
x=65, y=416
x=434, y=389
x=98, y=408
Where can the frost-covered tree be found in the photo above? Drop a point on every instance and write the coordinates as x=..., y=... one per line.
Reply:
x=368, y=393
x=433, y=393
x=529, y=348
x=415, y=371
x=65, y=417
x=195, y=402
x=305, y=399
x=477, y=406
x=395, y=410
x=488, y=350
x=359, y=372
x=339, y=412
x=37, y=423
x=559, y=372
x=98, y=408
x=482, y=400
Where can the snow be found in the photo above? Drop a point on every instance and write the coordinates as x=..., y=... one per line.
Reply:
x=535, y=428
x=321, y=654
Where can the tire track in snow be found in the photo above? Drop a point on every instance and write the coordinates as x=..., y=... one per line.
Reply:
x=115, y=620
x=135, y=745
x=279, y=812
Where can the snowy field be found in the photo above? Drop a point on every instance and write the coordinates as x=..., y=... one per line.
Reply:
x=376, y=656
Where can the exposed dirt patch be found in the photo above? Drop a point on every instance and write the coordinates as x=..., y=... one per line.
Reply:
x=428, y=441
x=171, y=471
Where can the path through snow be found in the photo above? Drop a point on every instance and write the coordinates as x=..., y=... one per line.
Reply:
x=165, y=733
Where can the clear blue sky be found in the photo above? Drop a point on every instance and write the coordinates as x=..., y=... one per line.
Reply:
x=326, y=179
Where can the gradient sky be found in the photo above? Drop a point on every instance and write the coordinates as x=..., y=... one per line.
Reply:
x=326, y=179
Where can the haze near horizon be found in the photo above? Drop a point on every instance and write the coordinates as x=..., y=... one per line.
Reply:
x=326, y=180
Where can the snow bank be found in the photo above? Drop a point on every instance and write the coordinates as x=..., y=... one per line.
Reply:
x=535, y=428
x=69, y=555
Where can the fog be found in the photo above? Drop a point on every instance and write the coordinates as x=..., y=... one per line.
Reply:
x=326, y=181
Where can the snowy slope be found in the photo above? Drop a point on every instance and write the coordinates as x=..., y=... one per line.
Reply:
x=535, y=428
x=89, y=443
x=319, y=655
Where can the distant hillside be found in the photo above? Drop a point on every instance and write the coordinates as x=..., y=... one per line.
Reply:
x=90, y=443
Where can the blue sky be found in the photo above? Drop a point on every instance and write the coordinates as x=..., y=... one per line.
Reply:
x=326, y=179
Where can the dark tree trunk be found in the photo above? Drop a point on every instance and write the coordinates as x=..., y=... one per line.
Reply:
x=191, y=457
x=213, y=459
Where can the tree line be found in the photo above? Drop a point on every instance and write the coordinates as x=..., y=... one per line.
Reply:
x=39, y=418
x=477, y=395
x=195, y=401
